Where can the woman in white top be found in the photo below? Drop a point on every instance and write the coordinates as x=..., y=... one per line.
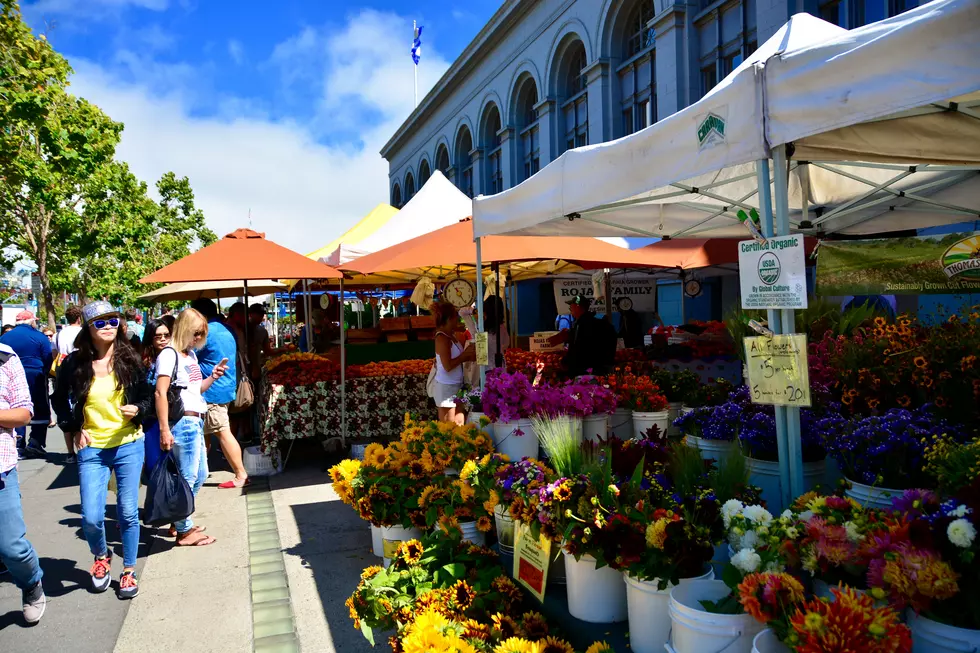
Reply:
x=494, y=323
x=450, y=356
x=177, y=364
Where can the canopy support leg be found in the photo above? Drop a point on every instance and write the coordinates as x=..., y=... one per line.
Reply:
x=479, y=303
x=343, y=372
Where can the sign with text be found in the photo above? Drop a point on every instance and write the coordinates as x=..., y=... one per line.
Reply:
x=772, y=274
x=778, y=370
x=482, y=349
x=642, y=294
x=531, y=558
x=915, y=265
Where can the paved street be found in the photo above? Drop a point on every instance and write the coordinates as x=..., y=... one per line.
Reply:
x=196, y=598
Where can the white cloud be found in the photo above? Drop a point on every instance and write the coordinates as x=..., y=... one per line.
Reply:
x=236, y=51
x=301, y=191
x=90, y=10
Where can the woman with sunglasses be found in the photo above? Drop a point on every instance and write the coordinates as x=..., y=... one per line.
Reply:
x=101, y=397
x=156, y=337
x=177, y=364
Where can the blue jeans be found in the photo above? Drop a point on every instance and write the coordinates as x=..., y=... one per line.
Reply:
x=192, y=458
x=15, y=551
x=39, y=435
x=94, y=468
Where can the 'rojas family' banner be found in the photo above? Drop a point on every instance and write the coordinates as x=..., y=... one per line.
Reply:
x=638, y=294
x=918, y=265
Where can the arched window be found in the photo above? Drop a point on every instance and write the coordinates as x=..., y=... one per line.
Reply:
x=464, y=162
x=526, y=119
x=574, y=97
x=409, y=188
x=442, y=160
x=423, y=173
x=637, y=74
x=490, y=142
x=396, y=196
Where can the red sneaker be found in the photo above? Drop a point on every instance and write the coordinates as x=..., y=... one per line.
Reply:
x=101, y=573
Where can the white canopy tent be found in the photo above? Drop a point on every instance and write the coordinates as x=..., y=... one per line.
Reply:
x=874, y=129
x=887, y=117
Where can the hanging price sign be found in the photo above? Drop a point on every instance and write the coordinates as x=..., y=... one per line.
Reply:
x=778, y=370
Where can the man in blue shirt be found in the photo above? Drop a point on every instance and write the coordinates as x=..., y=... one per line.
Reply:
x=221, y=344
x=34, y=350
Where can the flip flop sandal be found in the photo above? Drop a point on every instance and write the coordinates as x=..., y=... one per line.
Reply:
x=206, y=540
x=194, y=529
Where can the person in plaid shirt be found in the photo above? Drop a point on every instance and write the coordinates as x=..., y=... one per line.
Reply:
x=16, y=410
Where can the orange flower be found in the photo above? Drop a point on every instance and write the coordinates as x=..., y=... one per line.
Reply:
x=904, y=401
x=920, y=361
x=769, y=595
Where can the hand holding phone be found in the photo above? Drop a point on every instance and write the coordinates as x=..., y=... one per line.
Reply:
x=219, y=369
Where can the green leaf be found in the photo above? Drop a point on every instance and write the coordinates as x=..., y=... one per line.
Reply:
x=731, y=576
x=455, y=569
x=367, y=632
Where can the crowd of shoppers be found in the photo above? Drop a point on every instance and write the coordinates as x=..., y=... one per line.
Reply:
x=112, y=397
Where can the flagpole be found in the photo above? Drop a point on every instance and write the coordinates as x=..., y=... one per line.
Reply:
x=415, y=66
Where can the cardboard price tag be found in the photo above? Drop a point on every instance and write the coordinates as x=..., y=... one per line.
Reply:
x=778, y=371
x=481, y=342
x=531, y=558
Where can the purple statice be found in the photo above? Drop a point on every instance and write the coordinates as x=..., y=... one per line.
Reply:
x=885, y=450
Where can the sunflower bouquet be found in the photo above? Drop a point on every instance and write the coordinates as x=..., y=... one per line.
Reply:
x=441, y=445
x=449, y=501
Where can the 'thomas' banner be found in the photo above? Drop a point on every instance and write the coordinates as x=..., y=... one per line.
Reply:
x=918, y=265
x=638, y=294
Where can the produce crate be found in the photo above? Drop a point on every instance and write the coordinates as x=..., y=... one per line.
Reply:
x=396, y=336
x=422, y=322
x=363, y=335
x=395, y=324
x=425, y=334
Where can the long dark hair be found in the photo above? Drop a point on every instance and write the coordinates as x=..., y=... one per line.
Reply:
x=494, y=314
x=149, y=336
x=125, y=363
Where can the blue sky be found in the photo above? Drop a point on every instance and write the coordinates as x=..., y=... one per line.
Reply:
x=278, y=108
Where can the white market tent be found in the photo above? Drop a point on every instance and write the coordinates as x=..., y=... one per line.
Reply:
x=437, y=204
x=870, y=130
x=884, y=121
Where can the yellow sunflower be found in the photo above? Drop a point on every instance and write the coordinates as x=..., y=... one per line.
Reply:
x=426, y=495
x=484, y=524
x=517, y=645
x=411, y=551
x=555, y=645
x=599, y=647
x=462, y=595
x=370, y=572
x=468, y=470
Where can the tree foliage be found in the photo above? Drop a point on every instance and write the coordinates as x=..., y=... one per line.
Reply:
x=65, y=203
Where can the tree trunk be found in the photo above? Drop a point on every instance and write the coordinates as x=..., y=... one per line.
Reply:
x=42, y=273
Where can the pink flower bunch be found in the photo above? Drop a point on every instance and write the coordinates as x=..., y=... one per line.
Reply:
x=508, y=397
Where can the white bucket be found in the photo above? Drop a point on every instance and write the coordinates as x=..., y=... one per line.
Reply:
x=576, y=423
x=595, y=427
x=594, y=595
x=621, y=424
x=872, y=497
x=648, y=612
x=472, y=534
x=767, y=642
x=260, y=464
x=930, y=636
x=506, y=440
x=697, y=631
x=474, y=418
x=711, y=449
x=357, y=451
x=505, y=526
x=674, y=409
x=377, y=545
x=392, y=536
x=643, y=421
x=765, y=474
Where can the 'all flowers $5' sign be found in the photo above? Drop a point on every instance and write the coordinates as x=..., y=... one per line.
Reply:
x=778, y=371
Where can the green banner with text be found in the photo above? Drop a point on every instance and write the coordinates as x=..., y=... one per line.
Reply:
x=919, y=265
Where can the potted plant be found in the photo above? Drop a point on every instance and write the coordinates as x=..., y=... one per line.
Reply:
x=649, y=407
x=510, y=400
x=680, y=387
x=517, y=485
x=591, y=404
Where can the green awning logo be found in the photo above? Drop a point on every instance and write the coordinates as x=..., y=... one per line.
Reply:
x=962, y=259
x=711, y=131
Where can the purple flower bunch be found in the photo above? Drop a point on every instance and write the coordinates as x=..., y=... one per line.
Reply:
x=582, y=399
x=516, y=478
x=508, y=397
x=884, y=450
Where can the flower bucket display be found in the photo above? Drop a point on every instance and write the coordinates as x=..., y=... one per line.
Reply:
x=377, y=544
x=594, y=595
x=642, y=422
x=765, y=474
x=357, y=450
x=505, y=527
x=930, y=636
x=595, y=427
x=649, y=618
x=870, y=496
x=621, y=424
x=711, y=449
x=393, y=536
x=694, y=630
x=472, y=534
x=767, y=642
x=474, y=418
x=577, y=427
x=515, y=440
x=674, y=409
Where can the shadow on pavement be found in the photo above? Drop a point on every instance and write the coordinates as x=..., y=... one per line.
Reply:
x=61, y=577
x=67, y=477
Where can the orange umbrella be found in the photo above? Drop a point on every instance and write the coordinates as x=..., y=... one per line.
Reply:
x=453, y=245
x=242, y=255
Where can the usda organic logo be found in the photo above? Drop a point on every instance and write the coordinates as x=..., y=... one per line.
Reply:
x=769, y=268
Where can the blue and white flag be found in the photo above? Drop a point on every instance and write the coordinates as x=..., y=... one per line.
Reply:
x=417, y=45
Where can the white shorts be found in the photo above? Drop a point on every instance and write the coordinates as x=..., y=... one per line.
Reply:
x=445, y=395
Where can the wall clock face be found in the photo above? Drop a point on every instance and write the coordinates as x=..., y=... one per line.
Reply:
x=459, y=292
x=625, y=304
x=324, y=301
x=692, y=288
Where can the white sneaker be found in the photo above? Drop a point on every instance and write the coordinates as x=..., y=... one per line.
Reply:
x=34, y=604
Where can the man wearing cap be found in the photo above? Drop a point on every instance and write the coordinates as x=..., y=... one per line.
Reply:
x=588, y=340
x=34, y=350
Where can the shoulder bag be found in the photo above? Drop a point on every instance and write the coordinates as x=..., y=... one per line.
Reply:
x=244, y=391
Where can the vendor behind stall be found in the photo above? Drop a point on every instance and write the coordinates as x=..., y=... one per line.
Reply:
x=591, y=341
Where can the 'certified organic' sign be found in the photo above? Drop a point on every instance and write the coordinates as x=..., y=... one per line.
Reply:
x=772, y=274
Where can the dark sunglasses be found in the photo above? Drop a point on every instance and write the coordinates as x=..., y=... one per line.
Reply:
x=200, y=334
x=162, y=336
x=101, y=324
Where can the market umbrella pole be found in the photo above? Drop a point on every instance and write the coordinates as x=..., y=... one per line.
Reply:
x=479, y=304
x=343, y=372
x=498, y=357
x=775, y=325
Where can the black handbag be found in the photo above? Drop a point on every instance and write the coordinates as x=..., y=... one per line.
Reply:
x=168, y=496
x=174, y=402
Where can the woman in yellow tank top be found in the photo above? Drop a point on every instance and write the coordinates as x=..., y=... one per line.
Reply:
x=101, y=396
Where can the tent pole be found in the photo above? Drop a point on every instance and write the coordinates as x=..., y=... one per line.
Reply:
x=343, y=372
x=795, y=450
x=498, y=358
x=775, y=325
x=479, y=303
x=607, y=290
x=248, y=363
x=306, y=314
